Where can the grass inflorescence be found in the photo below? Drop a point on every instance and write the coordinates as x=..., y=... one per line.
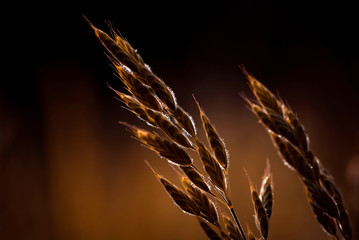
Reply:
x=204, y=189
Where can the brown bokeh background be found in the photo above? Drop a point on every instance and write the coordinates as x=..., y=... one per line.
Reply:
x=68, y=170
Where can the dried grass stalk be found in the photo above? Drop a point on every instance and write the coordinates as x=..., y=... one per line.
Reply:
x=154, y=102
x=291, y=140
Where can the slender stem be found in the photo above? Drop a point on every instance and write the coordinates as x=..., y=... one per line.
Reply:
x=237, y=221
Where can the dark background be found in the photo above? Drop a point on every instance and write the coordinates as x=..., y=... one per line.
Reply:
x=69, y=171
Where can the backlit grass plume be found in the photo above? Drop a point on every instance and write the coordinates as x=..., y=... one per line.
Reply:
x=207, y=187
x=292, y=142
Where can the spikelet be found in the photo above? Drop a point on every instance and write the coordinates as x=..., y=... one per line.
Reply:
x=216, y=143
x=141, y=92
x=196, y=178
x=206, y=206
x=327, y=181
x=124, y=54
x=135, y=107
x=184, y=120
x=169, y=150
x=211, y=166
x=179, y=197
x=172, y=131
x=324, y=219
x=260, y=213
x=266, y=192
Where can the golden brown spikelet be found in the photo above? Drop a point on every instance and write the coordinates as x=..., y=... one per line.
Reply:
x=261, y=114
x=264, y=96
x=291, y=155
x=216, y=143
x=260, y=213
x=163, y=92
x=169, y=150
x=135, y=107
x=143, y=93
x=323, y=206
x=327, y=181
x=184, y=120
x=266, y=192
x=116, y=50
x=195, y=177
x=179, y=197
x=131, y=52
x=211, y=166
x=169, y=128
x=124, y=54
x=327, y=222
x=205, y=205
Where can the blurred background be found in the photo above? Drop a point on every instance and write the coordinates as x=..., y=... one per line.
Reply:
x=68, y=170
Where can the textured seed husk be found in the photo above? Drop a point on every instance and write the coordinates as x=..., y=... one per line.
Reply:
x=180, y=198
x=216, y=143
x=142, y=92
x=135, y=107
x=195, y=177
x=185, y=120
x=115, y=49
x=206, y=206
x=328, y=183
x=122, y=51
x=131, y=52
x=169, y=150
x=262, y=93
x=211, y=166
x=169, y=128
x=321, y=198
x=266, y=192
x=260, y=213
x=163, y=92
x=324, y=219
x=293, y=157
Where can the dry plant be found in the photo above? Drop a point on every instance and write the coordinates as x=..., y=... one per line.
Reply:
x=204, y=190
x=291, y=140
